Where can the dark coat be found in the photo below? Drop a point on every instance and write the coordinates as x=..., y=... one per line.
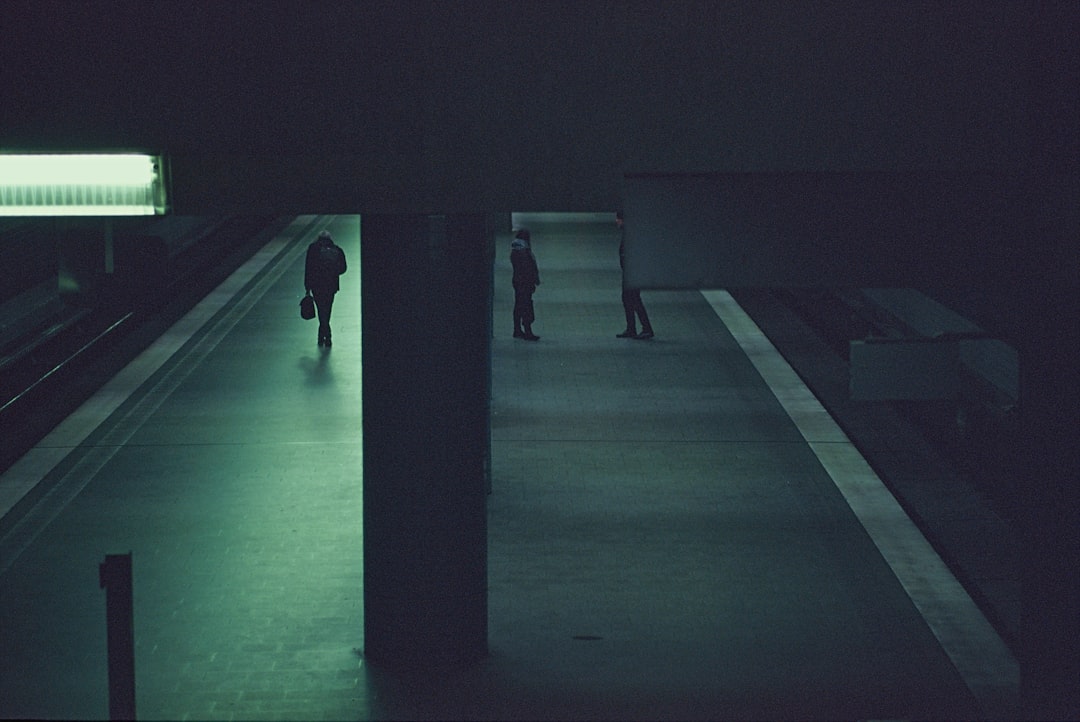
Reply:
x=324, y=263
x=526, y=274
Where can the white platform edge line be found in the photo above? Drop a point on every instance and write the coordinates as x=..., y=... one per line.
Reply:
x=22, y=476
x=977, y=651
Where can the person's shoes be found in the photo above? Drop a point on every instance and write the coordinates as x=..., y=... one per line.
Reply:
x=645, y=335
x=322, y=341
x=518, y=333
x=628, y=333
x=531, y=337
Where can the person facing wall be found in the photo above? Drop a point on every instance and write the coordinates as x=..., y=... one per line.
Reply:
x=631, y=297
x=526, y=279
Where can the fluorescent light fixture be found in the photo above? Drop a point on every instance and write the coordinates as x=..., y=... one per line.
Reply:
x=81, y=184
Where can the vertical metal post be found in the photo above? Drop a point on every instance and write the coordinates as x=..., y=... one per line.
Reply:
x=115, y=579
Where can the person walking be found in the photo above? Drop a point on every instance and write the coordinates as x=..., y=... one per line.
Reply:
x=526, y=279
x=631, y=297
x=324, y=263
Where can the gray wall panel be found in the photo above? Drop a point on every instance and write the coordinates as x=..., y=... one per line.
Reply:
x=729, y=230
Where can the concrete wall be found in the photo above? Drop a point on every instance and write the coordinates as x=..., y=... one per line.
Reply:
x=730, y=230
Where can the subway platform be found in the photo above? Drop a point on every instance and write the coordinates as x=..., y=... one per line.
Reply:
x=677, y=530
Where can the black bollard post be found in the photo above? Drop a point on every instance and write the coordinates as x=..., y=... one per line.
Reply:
x=115, y=578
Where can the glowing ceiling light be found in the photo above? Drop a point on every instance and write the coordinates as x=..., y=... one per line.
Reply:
x=82, y=184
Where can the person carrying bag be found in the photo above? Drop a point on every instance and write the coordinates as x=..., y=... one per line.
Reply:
x=324, y=263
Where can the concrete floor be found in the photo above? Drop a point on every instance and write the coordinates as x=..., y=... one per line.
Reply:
x=664, y=543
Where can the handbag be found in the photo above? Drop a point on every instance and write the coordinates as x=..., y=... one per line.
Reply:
x=307, y=307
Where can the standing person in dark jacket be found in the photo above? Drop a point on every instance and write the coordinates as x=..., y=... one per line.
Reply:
x=526, y=279
x=631, y=297
x=324, y=263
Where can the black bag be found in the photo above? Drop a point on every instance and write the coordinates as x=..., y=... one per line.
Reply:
x=307, y=307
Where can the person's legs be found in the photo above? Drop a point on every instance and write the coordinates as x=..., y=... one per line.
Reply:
x=643, y=316
x=521, y=300
x=528, y=315
x=628, y=310
x=324, y=302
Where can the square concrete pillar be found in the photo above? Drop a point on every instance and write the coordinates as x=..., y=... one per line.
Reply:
x=427, y=353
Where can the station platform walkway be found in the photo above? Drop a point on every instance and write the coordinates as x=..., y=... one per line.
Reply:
x=676, y=529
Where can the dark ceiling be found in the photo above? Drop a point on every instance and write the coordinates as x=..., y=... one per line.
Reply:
x=340, y=106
